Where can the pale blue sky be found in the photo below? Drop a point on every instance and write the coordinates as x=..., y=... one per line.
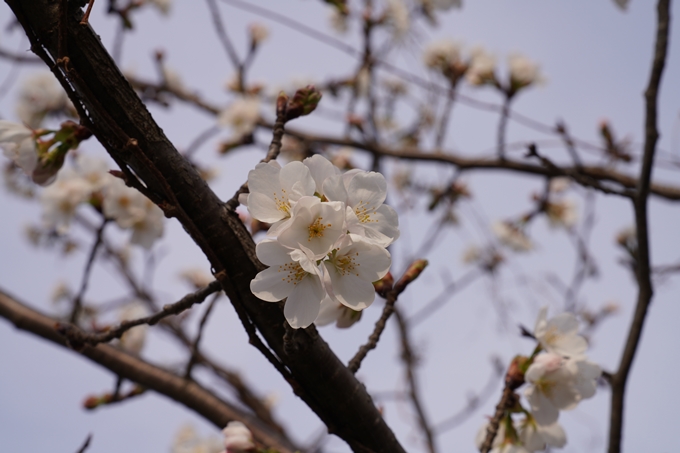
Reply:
x=596, y=61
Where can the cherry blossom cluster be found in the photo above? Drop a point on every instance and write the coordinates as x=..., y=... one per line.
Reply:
x=88, y=181
x=328, y=236
x=479, y=68
x=558, y=375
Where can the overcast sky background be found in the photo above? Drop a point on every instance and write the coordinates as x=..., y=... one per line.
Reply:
x=596, y=59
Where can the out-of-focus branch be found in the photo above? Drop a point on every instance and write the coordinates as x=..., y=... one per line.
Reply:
x=86, y=444
x=77, y=338
x=17, y=58
x=410, y=360
x=188, y=393
x=194, y=346
x=474, y=401
x=646, y=290
x=586, y=175
x=78, y=300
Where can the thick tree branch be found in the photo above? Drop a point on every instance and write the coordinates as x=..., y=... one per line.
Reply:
x=109, y=107
x=646, y=290
x=188, y=393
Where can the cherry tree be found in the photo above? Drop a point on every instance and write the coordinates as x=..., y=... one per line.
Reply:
x=224, y=244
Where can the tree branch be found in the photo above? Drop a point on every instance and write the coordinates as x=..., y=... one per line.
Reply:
x=109, y=107
x=188, y=393
x=646, y=290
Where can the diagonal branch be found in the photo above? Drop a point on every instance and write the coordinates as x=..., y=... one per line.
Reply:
x=188, y=393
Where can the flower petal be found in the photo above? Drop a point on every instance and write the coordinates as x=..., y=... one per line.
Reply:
x=303, y=304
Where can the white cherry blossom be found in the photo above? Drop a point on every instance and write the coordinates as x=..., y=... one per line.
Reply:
x=561, y=213
x=442, y=54
x=523, y=72
x=535, y=437
x=482, y=67
x=353, y=268
x=237, y=438
x=275, y=190
x=315, y=225
x=40, y=95
x=132, y=210
x=258, y=33
x=94, y=170
x=187, y=440
x=559, y=334
x=398, y=16
x=558, y=384
x=61, y=199
x=292, y=274
x=132, y=341
x=336, y=312
x=364, y=194
x=241, y=115
x=18, y=145
x=512, y=236
x=320, y=169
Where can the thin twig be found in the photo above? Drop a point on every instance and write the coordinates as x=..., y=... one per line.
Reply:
x=474, y=402
x=410, y=361
x=201, y=326
x=502, y=127
x=78, y=300
x=444, y=295
x=222, y=34
x=78, y=339
x=373, y=339
x=85, y=445
x=272, y=153
x=646, y=290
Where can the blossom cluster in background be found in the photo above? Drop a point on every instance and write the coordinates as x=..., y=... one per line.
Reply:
x=88, y=181
x=328, y=236
x=559, y=376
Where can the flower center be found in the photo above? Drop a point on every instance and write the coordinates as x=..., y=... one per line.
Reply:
x=551, y=335
x=363, y=212
x=317, y=228
x=347, y=264
x=282, y=203
x=294, y=273
x=546, y=386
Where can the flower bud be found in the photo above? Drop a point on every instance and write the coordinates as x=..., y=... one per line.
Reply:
x=414, y=270
x=384, y=285
x=303, y=103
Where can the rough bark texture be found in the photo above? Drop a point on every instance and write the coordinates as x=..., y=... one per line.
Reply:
x=109, y=106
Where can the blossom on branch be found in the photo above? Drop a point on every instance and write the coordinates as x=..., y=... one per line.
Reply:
x=293, y=274
x=241, y=116
x=18, y=145
x=559, y=334
x=328, y=239
x=558, y=384
x=238, y=438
